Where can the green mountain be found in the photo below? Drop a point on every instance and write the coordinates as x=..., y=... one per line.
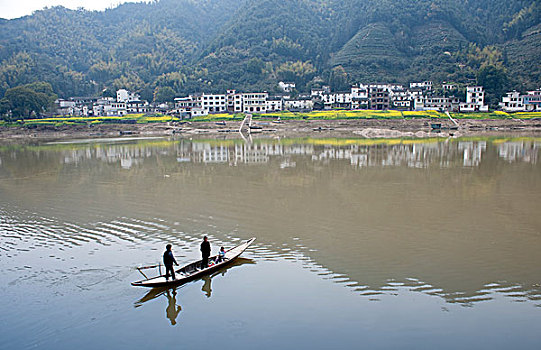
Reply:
x=211, y=45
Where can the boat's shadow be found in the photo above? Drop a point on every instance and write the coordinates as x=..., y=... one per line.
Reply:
x=158, y=291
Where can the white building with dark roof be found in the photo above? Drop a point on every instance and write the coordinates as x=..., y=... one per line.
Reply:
x=512, y=102
x=286, y=86
x=532, y=101
x=275, y=103
x=124, y=95
x=254, y=102
x=475, y=100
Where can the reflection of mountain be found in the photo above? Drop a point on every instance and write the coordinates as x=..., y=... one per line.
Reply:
x=458, y=216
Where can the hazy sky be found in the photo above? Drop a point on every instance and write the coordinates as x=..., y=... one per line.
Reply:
x=17, y=8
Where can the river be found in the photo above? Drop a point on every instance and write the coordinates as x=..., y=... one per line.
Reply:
x=377, y=244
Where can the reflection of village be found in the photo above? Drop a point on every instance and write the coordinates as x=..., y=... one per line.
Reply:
x=414, y=155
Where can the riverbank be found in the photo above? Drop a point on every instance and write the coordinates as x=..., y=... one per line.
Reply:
x=368, y=128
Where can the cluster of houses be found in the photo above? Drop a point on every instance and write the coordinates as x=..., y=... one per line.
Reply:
x=126, y=102
x=419, y=96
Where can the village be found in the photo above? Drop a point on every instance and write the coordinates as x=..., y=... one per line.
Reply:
x=419, y=96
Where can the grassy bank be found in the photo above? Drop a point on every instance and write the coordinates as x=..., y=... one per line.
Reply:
x=66, y=121
x=392, y=114
x=286, y=115
x=368, y=114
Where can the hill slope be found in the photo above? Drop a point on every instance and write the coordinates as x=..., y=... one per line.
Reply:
x=211, y=45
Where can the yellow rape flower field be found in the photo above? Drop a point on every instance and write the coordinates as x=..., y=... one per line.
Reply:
x=285, y=115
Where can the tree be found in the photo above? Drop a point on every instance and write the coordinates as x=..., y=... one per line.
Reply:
x=338, y=79
x=255, y=66
x=164, y=94
x=26, y=100
x=494, y=79
x=5, y=109
x=298, y=72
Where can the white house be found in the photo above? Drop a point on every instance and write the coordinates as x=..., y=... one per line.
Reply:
x=512, y=102
x=286, y=87
x=275, y=104
x=342, y=99
x=213, y=103
x=359, y=97
x=115, y=109
x=475, y=100
x=124, y=95
x=328, y=100
x=189, y=107
x=401, y=99
x=448, y=86
x=300, y=104
x=432, y=103
x=425, y=85
x=320, y=91
x=532, y=100
x=98, y=107
x=65, y=107
x=254, y=102
x=234, y=101
x=137, y=107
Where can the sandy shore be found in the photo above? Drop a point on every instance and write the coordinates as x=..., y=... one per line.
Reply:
x=368, y=128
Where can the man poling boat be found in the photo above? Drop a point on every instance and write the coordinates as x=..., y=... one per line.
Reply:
x=193, y=270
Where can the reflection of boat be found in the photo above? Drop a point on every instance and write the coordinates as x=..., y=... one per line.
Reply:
x=193, y=270
x=159, y=291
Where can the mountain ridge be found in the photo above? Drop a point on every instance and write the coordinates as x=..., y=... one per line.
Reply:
x=212, y=45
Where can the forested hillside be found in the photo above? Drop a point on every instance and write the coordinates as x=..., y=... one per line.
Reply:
x=172, y=47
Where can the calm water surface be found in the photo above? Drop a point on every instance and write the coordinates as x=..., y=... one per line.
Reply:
x=379, y=244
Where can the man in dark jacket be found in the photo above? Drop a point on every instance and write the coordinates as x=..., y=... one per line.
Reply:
x=205, y=252
x=168, y=261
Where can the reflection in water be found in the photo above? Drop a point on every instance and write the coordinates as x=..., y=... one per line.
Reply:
x=453, y=218
x=173, y=310
x=360, y=152
x=207, y=289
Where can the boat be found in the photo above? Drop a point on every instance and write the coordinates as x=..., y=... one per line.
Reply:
x=159, y=291
x=192, y=270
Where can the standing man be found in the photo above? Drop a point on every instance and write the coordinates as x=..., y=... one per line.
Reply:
x=168, y=260
x=205, y=252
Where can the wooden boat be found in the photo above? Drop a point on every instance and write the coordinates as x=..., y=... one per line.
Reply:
x=159, y=291
x=193, y=270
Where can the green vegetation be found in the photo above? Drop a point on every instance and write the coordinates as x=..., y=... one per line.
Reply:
x=27, y=100
x=218, y=117
x=66, y=121
x=366, y=114
x=391, y=114
x=286, y=115
x=172, y=47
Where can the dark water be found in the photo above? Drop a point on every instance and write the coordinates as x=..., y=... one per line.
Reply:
x=415, y=244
